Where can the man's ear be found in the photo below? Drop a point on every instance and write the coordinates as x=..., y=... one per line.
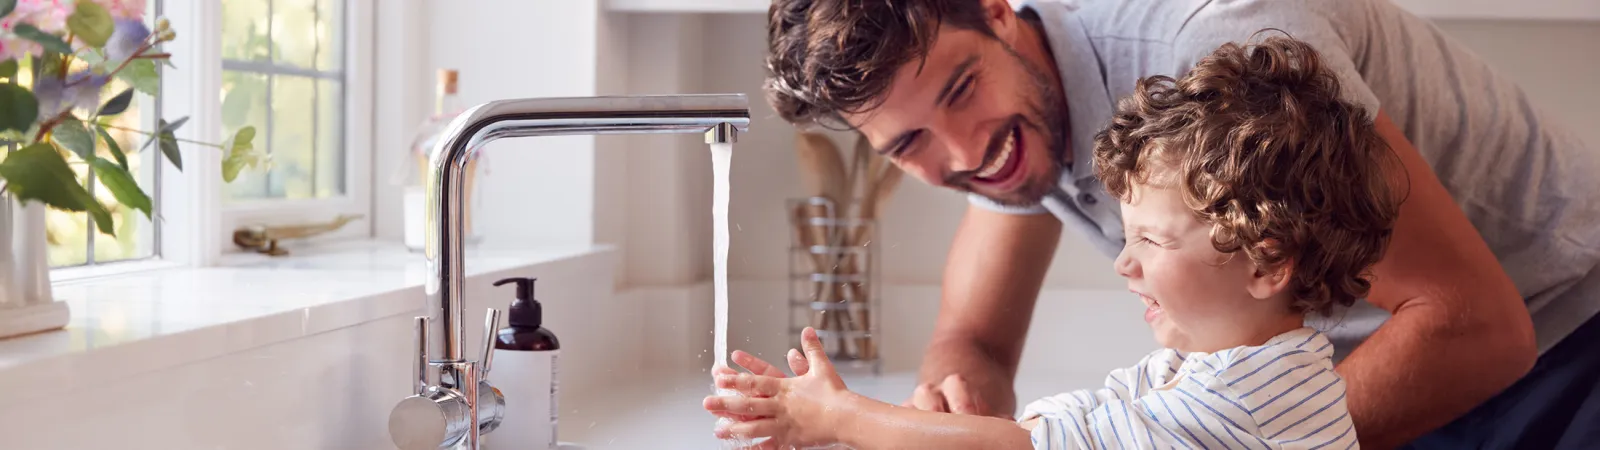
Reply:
x=1268, y=282
x=1002, y=18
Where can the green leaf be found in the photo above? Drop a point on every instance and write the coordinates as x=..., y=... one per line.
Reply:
x=163, y=126
x=50, y=42
x=71, y=134
x=141, y=74
x=117, y=104
x=8, y=69
x=92, y=57
x=168, y=142
x=169, y=147
x=18, y=108
x=236, y=107
x=121, y=184
x=6, y=6
x=241, y=154
x=92, y=23
x=47, y=64
x=38, y=173
x=111, y=143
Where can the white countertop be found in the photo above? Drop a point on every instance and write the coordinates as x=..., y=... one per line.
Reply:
x=137, y=322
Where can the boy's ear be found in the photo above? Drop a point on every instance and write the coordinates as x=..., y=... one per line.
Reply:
x=1268, y=282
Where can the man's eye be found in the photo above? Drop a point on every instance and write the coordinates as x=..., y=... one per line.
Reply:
x=961, y=89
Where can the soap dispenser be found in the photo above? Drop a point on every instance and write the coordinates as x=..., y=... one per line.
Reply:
x=525, y=372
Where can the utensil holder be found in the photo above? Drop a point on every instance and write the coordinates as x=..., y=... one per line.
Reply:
x=833, y=267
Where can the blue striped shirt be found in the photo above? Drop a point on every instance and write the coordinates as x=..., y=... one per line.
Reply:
x=1283, y=394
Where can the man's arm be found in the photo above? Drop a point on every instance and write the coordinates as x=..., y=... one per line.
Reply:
x=992, y=278
x=1460, y=332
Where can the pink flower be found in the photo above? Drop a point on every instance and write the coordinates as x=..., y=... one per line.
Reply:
x=49, y=16
x=123, y=9
x=13, y=47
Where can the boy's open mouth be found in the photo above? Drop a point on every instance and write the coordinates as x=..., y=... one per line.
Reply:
x=1152, y=308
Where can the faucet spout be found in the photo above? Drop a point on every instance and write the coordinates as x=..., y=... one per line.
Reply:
x=719, y=116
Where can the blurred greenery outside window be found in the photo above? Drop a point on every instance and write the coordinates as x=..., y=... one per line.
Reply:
x=284, y=73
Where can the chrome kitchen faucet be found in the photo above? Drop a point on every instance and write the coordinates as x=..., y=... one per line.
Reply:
x=454, y=405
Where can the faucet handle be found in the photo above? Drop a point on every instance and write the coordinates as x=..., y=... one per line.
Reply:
x=419, y=372
x=491, y=324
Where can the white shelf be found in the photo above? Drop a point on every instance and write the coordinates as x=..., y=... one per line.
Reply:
x=691, y=6
x=1576, y=10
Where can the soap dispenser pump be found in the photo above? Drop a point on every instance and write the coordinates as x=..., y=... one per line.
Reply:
x=525, y=372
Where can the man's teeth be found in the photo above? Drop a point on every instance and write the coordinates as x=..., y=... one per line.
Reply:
x=1000, y=161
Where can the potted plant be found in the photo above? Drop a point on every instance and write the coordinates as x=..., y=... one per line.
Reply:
x=57, y=58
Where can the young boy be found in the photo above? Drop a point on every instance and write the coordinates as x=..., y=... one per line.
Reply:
x=1251, y=195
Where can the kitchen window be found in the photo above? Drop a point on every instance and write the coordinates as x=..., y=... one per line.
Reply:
x=299, y=71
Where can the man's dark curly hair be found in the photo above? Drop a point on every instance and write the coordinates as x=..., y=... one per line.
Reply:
x=827, y=57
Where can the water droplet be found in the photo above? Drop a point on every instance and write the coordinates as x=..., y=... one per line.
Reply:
x=738, y=227
x=591, y=424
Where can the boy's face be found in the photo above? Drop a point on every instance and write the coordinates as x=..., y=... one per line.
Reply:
x=1196, y=298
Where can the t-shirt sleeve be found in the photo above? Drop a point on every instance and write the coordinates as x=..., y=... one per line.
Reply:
x=1315, y=23
x=985, y=203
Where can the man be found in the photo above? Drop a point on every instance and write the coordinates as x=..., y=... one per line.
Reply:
x=1479, y=329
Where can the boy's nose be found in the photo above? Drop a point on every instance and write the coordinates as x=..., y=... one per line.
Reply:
x=1125, y=265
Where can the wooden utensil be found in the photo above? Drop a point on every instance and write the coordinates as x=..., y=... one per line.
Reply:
x=824, y=174
x=880, y=180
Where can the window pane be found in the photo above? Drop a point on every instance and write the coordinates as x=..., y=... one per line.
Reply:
x=244, y=102
x=330, y=35
x=294, y=30
x=244, y=30
x=67, y=234
x=293, y=137
x=330, y=139
x=135, y=237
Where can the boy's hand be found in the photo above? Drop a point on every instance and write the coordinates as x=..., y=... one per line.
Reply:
x=797, y=364
x=795, y=411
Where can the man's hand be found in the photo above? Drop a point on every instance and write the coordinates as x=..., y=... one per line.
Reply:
x=948, y=395
x=992, y=278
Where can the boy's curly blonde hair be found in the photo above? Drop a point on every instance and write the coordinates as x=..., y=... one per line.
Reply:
x=1263, y=149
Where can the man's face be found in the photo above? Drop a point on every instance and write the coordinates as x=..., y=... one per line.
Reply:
x=975, y=116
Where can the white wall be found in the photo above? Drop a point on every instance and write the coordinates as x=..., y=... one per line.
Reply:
x=536, y=190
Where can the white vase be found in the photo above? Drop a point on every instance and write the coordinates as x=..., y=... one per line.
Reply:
x=26, y=301
x=10, y=287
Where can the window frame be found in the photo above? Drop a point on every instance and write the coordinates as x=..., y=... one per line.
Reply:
x=358, y=31
x=189, y=202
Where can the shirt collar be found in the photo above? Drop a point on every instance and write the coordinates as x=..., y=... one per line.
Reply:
x=1089, y=105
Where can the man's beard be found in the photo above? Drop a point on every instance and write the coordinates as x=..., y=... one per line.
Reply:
x=1046, y=113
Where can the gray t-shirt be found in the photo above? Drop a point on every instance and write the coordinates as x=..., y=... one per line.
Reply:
x=1527, y=184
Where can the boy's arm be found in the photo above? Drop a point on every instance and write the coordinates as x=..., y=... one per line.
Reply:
x=868, y=423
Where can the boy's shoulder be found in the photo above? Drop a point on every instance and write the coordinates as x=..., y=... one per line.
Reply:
x=1302, y=348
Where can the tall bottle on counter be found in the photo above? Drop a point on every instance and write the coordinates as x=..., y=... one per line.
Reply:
x=525, y=372
x=446, y=106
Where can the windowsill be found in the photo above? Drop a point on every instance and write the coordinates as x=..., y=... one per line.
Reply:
x=139, y=321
